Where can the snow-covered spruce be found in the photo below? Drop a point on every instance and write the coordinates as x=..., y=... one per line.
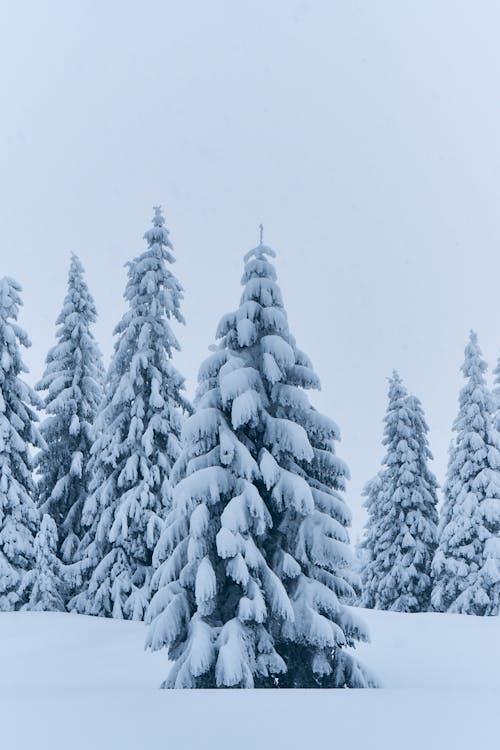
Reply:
x=496, y=394
x=400, y=536
x=466, y=566
x=253, y=564
x=137, y=440
x=72, y=381
x=44, y=586
x=18, y=436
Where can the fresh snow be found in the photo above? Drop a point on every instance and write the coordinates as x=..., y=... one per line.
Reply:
x=136, y=440
x=86, y=682
x=400, y=537
x=256, y=599
x=466, y=566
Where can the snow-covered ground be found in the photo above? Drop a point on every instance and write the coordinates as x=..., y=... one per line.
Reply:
x=74, y=682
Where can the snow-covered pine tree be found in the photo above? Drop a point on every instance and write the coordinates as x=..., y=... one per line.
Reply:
x=367, y=541
x=496, y=395
x=253, y=564
x=44, y=586
x=137, y=440
x=466, y=566
x=400, y=536
x=72, y=380
x=19, y=516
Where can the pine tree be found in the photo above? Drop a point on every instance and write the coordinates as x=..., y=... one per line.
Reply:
x=400, y=536
x=367, y=541
x=18, y=436
x=466, y=566
x=73, y=383
x=496, y=395
x=253, y=565
x=44, y=586
x=137, y=440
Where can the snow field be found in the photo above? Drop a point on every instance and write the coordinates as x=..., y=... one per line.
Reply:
x=71, y=681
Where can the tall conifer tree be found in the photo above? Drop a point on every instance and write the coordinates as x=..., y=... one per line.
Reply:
x=19, y=516
x=496, y=395
x=253, y=565
x=72, y=382
x=400, y=536
x=467, y=563
x=136, y=440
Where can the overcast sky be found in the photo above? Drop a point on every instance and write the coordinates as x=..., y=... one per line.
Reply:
x=364, y=135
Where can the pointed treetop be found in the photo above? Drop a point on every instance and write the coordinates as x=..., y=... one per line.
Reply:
x=397, y=388
x=75, y=264
x=474, y=365
x=395, y=377
x=261, y=249
x=159, y=234
x=158, y=218
x=473, y=348
x=473, y=336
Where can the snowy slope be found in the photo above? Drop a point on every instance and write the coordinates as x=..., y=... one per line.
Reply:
x=69, y=681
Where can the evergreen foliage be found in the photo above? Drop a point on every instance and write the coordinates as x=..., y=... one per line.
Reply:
x=496, y=395
x=137, y=435
x=253, y=567
x=73, y=383
x=44, y=586
x=400, y=537
x=466, y=566
x=18, y=436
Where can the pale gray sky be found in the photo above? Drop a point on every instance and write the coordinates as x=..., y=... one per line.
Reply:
x=364, y=135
